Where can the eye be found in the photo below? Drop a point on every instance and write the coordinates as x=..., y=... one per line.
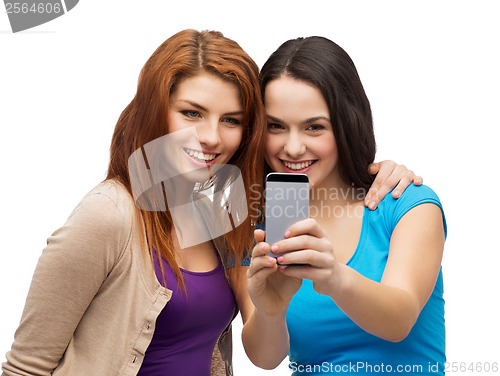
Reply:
x=191, y=113
x=315, y=128
x=275, y=127
x=231, y=121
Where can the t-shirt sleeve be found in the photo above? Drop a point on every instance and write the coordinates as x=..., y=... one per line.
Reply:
x=411, y=197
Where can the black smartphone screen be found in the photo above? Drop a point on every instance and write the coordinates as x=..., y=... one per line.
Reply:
x=287, y=202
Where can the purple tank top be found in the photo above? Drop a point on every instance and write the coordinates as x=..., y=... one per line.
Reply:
x=188, y=327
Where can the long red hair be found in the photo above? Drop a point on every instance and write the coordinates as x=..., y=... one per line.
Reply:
x=185, y=54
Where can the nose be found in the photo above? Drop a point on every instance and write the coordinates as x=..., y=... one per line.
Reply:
x=208, y=134
x=294, y=145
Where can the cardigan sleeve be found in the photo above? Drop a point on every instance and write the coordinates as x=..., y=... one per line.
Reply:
x=72, y=267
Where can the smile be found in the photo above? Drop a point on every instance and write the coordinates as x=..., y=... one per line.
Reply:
x=297, y=166
x=200, y=156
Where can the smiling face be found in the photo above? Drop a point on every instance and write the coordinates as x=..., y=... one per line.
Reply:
x=205, y=118
x=300, y=138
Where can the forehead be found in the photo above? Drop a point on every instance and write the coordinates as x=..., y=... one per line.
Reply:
x=295, y=98
x=207, y=87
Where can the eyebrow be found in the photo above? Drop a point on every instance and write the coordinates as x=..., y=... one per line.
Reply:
x=306, y=121
x=201, y=108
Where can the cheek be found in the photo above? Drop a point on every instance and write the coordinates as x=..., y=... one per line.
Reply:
x=170, y=123
x=268, y=154
x=327, y=147
x=272, y=146
x=174, y=124
x=232, y=140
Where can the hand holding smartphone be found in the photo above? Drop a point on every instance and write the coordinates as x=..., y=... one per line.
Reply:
x=287, y=202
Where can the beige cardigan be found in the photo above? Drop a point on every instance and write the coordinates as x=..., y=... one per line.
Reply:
x=94, y=299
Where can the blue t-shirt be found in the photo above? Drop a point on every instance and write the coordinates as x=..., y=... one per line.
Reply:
x=324, y=341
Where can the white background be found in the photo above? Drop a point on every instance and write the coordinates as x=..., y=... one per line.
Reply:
x=430, y=69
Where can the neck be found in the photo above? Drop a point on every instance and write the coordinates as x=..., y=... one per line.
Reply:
x=333, y=196
x=336, y=195
x=335, y=191
x=179, y=191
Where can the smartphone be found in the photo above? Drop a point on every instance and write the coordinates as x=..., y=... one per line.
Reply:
x=287, y=202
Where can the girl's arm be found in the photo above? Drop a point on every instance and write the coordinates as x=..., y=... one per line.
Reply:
x=263, y=299
x=69, y=273
x=388, y=309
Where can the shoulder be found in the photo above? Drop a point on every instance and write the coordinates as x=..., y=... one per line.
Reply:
x=98, y=232
x=394, y=209
x=107, y=209
x=412, y=196
x=109, y=197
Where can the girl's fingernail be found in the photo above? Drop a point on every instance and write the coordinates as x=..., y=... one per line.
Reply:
x=287, y=234
x=262, y=247
x=372, y=205
x=274, y=248
x=280, y=259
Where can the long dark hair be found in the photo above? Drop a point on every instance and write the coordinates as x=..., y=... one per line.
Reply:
x=325, y=65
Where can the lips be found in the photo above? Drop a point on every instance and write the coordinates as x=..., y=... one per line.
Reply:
x=199, y=156
x=299, y=166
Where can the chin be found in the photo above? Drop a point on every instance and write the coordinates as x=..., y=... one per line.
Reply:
x=197, y=176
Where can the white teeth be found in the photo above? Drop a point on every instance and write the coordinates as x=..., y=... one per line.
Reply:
x=200, y=156
x=297, y=166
